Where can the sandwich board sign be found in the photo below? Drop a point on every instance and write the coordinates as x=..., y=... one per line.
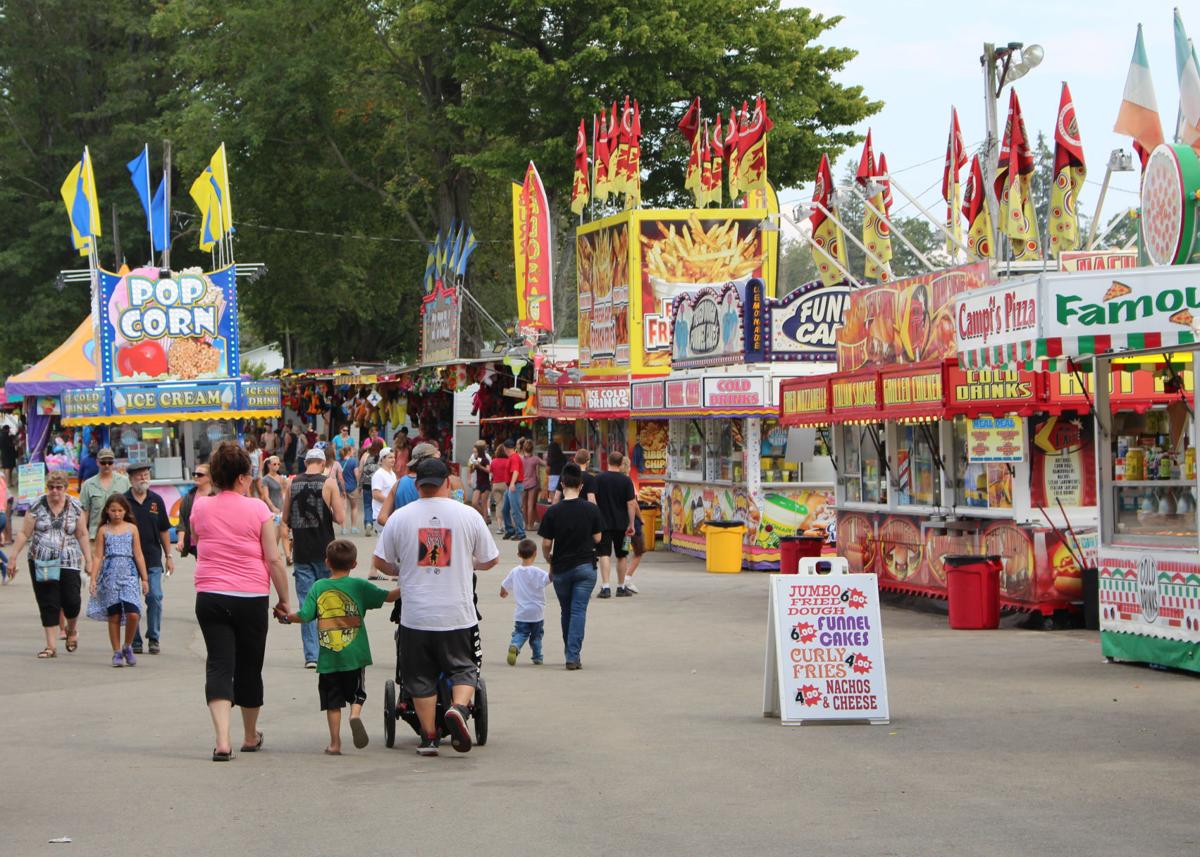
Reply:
x=824, y=653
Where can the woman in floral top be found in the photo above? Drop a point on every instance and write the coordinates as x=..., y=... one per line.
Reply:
x=55, y=531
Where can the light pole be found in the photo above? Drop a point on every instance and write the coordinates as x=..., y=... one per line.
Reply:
x=1119, y=161
x=999, y=70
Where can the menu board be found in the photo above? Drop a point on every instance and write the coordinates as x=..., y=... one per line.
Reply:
x=31, y=483
x=995, y=440
x=825, y=650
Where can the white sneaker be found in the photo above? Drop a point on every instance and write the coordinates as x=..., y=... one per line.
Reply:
x=629, y=585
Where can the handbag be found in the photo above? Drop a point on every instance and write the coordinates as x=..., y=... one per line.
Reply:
x=50, y=570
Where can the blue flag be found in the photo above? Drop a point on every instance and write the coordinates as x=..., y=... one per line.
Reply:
x=160, y=231
x=139, y=174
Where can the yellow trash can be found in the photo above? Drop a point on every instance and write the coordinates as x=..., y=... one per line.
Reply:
x=723, y=546
x=649, y=526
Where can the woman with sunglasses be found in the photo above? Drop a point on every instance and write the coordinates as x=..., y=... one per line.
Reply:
x=202, y=488
x=58, y=550
x=273, y=483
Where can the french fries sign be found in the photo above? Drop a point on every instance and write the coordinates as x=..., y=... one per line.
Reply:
x=632, y=265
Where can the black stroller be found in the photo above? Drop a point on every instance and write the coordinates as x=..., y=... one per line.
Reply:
x=398, y=702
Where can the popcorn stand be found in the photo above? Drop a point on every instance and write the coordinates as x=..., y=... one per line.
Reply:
x=169, y=389
x=730, y=459
x=1138, y=321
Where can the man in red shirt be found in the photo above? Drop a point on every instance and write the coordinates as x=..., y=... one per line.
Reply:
x=514, y=518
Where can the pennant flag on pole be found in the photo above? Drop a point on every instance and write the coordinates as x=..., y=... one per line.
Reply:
x=579, y=186
x=624, y=132
x=689, y=125
x=431, y=268
x=876, y=231
x=1069, y=174
x=956, y=159
x=827, y=239
x=732, y=144
x=221, y=184
x=718, y=163
x=615, y=175
x=1138, y=117
x=78, y=192
x=203, y=194
x=139, y=175
x=1189, y=87
x=603, y=185
x=752, y=157
x=693, y=180
x=705, y=170
x=975, y=211
x=1013, y=175
x=160, y=231
x=633, y=161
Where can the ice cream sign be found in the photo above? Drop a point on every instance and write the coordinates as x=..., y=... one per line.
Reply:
x=181, y=327
x=173, y=398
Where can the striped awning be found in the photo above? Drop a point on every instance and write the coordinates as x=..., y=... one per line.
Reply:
x=1064, y=354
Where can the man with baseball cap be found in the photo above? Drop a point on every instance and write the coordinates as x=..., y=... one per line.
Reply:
x=434, y=546
x=312, y=504
x=405, y=489
x=96, y=489
x=154, y=533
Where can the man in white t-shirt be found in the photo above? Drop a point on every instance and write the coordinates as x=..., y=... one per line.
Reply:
x=434, y=545
x=382, y=481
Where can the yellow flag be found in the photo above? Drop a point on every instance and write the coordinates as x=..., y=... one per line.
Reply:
x=878, y=239
x=209, y=204
x=78, y=193
x=220, y=173
x=1017, y=218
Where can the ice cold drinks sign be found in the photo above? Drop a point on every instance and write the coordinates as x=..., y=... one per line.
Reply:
x=828, y=645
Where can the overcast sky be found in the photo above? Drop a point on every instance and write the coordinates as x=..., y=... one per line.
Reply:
x=920, y=58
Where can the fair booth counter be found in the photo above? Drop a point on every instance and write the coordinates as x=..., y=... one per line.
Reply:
x=1149, y=551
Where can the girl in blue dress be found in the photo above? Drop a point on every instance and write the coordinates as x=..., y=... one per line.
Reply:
x=121, y=582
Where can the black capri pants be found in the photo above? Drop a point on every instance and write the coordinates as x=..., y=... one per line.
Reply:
x=57, y=595
x=235, y=634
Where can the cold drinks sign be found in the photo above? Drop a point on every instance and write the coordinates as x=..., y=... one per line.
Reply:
x=825, y=649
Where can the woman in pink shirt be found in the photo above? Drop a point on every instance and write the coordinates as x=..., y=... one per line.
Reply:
x=237, y=561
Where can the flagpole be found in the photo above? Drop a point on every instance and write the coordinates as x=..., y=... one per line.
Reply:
x=166, y=252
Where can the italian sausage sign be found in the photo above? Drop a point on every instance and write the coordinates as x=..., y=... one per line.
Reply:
x=824, y=657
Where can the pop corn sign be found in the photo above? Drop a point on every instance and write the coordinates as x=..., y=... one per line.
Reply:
x=825, y=655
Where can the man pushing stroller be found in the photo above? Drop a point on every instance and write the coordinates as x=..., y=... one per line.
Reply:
x=434, y=546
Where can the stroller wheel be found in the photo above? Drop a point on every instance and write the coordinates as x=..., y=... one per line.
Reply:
x=480, y=713
x=389, y=713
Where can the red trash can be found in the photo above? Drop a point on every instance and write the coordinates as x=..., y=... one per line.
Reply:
x=793, y=548
x=973, y=587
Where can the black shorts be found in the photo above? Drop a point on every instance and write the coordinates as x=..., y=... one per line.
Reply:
x=612, y=542
x=338, y=690
x=427, y=655
x=126, y=607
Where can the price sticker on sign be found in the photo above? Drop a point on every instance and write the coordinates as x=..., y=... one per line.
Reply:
x=824, y=654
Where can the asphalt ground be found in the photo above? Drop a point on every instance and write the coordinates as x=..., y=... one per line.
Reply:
x=1001, y=743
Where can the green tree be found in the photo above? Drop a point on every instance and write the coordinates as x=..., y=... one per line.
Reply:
x=71, y=73
x=429, y=109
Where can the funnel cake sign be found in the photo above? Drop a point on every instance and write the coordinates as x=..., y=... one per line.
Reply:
x=157, y=328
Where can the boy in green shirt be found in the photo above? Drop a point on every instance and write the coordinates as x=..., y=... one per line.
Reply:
x=339, y=604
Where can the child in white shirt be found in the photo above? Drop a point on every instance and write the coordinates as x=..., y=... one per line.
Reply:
x=527, y=583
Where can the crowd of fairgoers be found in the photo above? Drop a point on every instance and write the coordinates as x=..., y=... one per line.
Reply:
x=277, y=499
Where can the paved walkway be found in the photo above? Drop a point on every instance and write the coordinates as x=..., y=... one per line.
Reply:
x=1002, y=743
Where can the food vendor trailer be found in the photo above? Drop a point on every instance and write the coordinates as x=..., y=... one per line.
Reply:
x=1141, y=321
x=729, y=457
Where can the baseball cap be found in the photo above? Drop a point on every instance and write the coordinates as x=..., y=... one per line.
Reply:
x=387, y=450
x=424, y=450
x=315, y=454
x=432, y=471
x=105, y=454
x=135, y=466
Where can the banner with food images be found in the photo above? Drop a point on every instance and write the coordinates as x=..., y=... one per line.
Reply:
x=906, y=321
x=181, y=327
x=602, y=274
x=682, y=251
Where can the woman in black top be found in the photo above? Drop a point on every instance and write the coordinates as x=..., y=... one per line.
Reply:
x=481, y=478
